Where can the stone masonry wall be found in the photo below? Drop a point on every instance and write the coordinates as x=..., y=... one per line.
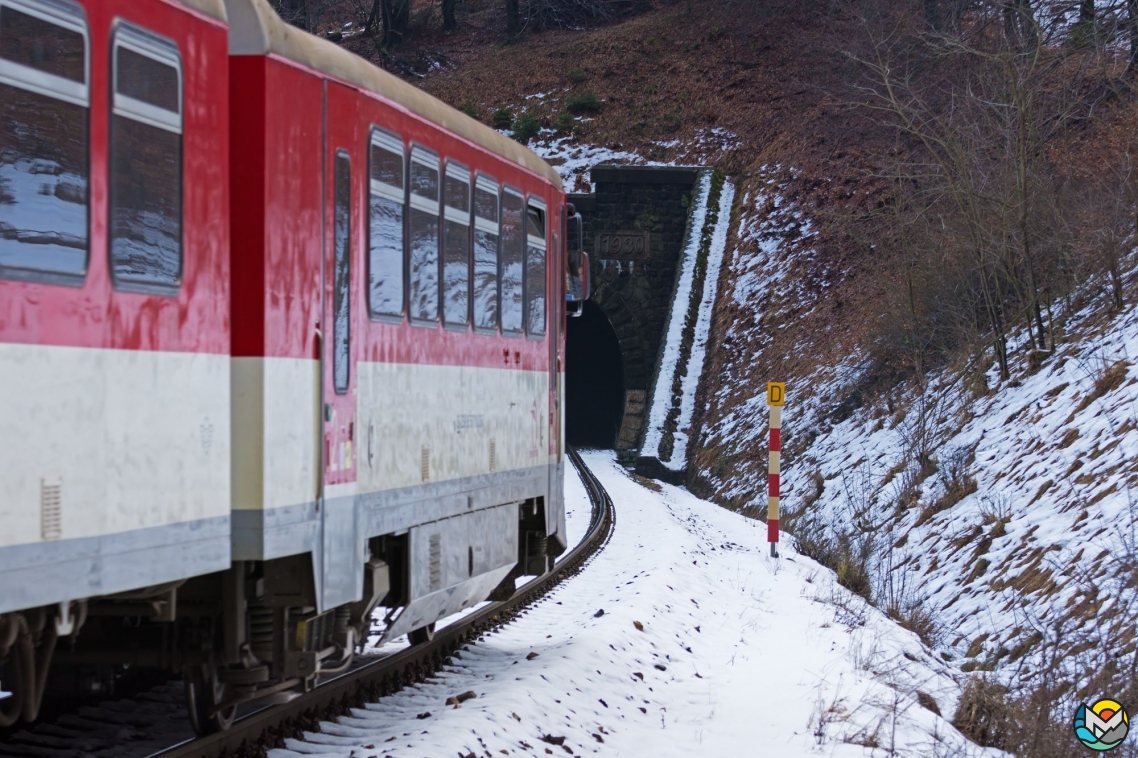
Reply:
x=634, y=232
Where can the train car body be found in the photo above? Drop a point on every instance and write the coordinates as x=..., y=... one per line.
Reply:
x=281, y=343
x=386, y=396
x=114, y=297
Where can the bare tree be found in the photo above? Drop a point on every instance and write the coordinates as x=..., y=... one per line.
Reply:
x=1132, y=27
x=985, y=237
x=513, y=20
x=396, y=20
x=1086, y=11
x=932, y=14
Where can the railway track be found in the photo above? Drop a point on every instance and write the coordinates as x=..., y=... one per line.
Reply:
x=154, y=723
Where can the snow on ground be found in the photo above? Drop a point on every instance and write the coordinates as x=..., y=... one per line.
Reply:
x=662, y=392
x=573, y=161
x=680, y=638
x=578, y=509
x=578, y=514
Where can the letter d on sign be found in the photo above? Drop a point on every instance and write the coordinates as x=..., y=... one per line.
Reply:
x=776, y=393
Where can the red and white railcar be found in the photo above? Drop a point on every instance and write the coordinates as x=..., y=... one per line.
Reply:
x=280, y=342
x=114, y=305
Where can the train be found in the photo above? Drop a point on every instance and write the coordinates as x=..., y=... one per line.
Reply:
x=282, y=345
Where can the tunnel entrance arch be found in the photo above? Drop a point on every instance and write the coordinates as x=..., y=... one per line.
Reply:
x=594, y=380
x=636, y=226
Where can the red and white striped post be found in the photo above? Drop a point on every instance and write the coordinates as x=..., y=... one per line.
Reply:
x=776, y=395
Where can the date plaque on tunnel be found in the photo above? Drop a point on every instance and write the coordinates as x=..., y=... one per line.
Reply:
x=624, y=246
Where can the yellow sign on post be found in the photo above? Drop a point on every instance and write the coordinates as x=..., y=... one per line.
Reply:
x=776, y=393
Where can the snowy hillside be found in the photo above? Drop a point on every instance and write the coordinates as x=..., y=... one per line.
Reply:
x=679, y=639
x=993, y=517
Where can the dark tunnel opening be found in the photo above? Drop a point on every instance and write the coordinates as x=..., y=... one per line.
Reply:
x=594, y=380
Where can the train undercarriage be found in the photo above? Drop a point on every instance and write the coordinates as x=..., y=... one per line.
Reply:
x=250, y=633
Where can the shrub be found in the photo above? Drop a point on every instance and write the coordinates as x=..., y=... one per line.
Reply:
x=471, y=111
x=586, y=102
x=577, y=76
x=503, y=118
x=845, y=550
x=983, y=714
x=526, y=128
x=564, y=122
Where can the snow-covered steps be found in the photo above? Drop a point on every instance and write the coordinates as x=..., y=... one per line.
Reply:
x=672, y=401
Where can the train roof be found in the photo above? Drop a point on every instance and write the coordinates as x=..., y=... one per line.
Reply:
x=256, y=29
x=214, y=8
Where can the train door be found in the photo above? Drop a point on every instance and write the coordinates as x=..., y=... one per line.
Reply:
x=556, y=330
x=342, y=554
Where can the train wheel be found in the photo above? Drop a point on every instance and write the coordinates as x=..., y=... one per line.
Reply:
x=421, y=635
x=204, y=692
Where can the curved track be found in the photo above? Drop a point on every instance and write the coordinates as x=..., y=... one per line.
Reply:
x=370, y=679
x=268, y=727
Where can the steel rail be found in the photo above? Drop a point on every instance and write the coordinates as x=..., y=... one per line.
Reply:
x=263, y=729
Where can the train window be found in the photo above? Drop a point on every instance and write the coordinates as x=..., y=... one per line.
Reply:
x=535, y=267
x=424, y=227
x=513, y=246
x=44, y=164
x=485, y=283
x=341, y=275
x=146, y=162
x=456, y=244
x=385, y=226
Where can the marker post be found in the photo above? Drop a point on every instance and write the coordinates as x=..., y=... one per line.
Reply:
x=776, y=395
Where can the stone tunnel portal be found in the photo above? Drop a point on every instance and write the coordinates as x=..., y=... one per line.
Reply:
x=594, y=380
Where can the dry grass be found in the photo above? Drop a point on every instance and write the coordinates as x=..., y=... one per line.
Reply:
x=1109, y=379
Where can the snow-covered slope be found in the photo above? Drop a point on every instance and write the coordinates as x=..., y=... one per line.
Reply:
x=1014, y=535
x=1007, y=538
x=679, y=639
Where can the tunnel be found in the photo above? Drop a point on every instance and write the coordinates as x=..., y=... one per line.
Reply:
x=594, y=380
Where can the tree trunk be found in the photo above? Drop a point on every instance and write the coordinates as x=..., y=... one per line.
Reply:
x=1116, y=282
x=401, y=18
x=1132, y=27
x=396, y=18
x=932, y=14
x=1019, y=23
x=513, y=21
x=373, y=17
x=294, y=12
x=449, y=22
x=1086, y=11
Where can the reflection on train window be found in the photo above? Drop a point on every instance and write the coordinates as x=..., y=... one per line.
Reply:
x=513, y=244
x=456, y=244
x=341, y=275
x=146, y=162
x=535, y=267
x=44, y=168
x=485, y=280
x=423, y=252
x=385, y=226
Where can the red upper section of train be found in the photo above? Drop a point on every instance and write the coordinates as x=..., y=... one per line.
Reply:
x=195, y=318
x=259, y=136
